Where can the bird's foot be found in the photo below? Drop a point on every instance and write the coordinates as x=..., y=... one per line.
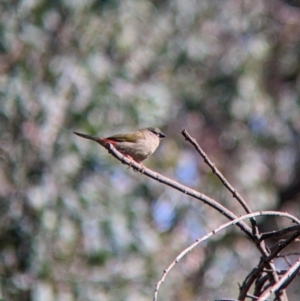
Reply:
x=142, y=168
x=130, y=163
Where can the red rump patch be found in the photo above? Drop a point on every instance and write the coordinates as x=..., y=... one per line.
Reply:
x=104, y=140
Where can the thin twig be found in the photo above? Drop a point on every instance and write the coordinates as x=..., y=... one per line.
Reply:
x=279, y=233
x=289, y=254
x=216, y=171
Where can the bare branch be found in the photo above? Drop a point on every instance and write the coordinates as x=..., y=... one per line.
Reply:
x=222, y=227
x=215, y=170
x=279, y=233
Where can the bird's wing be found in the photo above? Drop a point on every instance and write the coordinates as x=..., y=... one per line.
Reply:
x=130, y=137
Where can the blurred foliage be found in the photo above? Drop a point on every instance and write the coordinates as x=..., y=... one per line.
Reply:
x=77, y=225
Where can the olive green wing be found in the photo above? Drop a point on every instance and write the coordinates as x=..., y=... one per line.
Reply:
x=129, y=137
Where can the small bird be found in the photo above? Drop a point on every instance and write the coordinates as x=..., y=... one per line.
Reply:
x=138, y=145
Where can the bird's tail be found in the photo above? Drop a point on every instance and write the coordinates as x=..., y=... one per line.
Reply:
x=88, y=137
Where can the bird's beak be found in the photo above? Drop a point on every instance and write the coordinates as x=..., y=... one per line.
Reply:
x=162, y=135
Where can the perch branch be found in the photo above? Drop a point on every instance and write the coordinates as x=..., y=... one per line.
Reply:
x=191, y=192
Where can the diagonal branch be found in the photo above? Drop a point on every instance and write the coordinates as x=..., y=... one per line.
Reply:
x=182, y=188
x=215, y=170
x=279, y=233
